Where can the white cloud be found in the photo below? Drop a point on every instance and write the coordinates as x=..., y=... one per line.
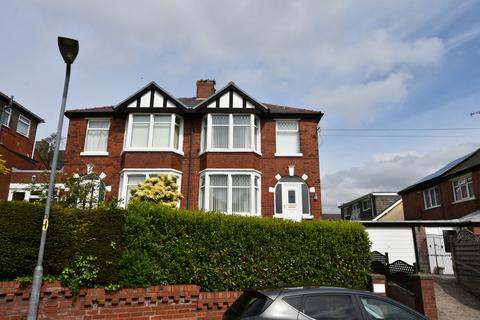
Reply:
x=364, y=101
x=386, y=172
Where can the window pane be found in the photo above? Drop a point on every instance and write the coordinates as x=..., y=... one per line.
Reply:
x=287, y=142
x=204, y=133
x=98, y=124
x=6, y=116
x=218, y=193
x=330, y=307
x=379, y=309
x=241, y=137
x=257, y=134
x=96, y=140
x=220, y=137
x=240, y=193
x=138, y=118
x=18, y=196
x=291, y=196
x=220, y=120
x=161, y=135
x=140, y=134
x=132, y=182
x=287, y=125
x=242, y=120
x=22, y=127
x=176, y=135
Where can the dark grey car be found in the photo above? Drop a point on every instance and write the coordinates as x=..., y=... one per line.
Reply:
x=322, y=303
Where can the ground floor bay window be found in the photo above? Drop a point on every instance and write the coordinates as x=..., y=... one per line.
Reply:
x=130, y=178
x=230, y=191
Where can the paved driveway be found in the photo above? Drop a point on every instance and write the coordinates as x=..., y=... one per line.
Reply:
x=453, y=302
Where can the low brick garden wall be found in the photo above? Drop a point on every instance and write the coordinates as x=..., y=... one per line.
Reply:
x=156, y=302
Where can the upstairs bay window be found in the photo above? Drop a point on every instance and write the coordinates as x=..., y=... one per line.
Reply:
x=230, y=192
x=231, y=132
x=288, y=138
x=96, y=137
x=152, y=132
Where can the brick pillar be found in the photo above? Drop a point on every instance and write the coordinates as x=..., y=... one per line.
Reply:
x=421, y=242
x=377, y=283
x=422, y=287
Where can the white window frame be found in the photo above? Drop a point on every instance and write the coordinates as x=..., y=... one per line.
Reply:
x=468, y=181
x=27, y=189
x=427, y=193
x=368, y=205
x=205, y=174
x=173, y=116
x=95, y=153
x=206, y=141
x=122, y=192
x=295, y=154
x=26, y=121
x=8, y=111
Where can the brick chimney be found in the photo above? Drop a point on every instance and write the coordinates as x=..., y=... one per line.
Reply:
x=205, y=88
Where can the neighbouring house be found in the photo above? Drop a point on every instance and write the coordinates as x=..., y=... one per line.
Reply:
x=369, y=206
x=17, y=142
x=452, y=192
x=227, y=151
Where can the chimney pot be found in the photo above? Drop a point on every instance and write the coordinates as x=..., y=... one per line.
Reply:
x=205, y=88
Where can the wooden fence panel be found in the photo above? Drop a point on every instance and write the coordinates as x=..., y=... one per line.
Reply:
x=466, y=260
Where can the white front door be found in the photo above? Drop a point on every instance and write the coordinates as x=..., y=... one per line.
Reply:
x=292, y=201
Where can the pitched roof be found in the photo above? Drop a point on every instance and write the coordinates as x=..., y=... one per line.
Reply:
x=192, y=103
x=457, y=166
x=371, y=194
x=6, y=98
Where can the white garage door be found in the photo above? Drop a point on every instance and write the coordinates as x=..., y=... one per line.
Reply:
x=398, y=242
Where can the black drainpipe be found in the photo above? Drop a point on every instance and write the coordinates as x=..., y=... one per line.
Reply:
x=189, y=179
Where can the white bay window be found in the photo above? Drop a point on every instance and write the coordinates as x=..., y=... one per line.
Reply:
x=154, y=132
x=231, y=133
x=236, y=192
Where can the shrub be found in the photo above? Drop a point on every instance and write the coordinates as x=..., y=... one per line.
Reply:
x=71, y=233
x=221, y=252
x=162, y=189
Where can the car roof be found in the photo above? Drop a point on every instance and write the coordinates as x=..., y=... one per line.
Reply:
x=287, y=291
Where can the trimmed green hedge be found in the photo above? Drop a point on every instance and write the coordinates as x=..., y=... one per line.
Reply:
x=71, y=233
x=221, y=252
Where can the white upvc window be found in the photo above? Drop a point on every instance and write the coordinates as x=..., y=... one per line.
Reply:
x=288, y=138
x=23, y=125
x=230, y=191
x=7, y=113
x=366, y=204
x=154, y=132
x=96, y=137
x=463, y=189
x=431, y=197
x=130, y=178
x=231, y=133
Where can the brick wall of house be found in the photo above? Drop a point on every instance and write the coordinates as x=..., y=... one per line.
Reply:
x=157, y=302
x=267, y=163
x=414, y=206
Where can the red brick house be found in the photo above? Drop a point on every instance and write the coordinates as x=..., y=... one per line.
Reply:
x=17, y=141
x=228, y=151
x=452, y=192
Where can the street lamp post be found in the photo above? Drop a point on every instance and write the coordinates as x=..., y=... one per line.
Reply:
x=69, y=50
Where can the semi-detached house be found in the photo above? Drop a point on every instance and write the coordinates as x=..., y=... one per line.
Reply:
x=227, y=151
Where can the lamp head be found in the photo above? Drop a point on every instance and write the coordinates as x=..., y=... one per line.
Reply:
x=68, y=48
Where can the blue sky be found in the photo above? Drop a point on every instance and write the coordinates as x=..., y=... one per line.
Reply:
x=366, y=64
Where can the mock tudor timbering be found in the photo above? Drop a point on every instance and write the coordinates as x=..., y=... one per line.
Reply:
x=227, y=151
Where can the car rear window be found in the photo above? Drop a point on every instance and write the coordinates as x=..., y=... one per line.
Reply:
x=248, y=304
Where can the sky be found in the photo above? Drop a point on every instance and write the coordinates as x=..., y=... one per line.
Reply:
x=371, y=64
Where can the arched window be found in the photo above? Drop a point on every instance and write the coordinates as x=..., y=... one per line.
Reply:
x=292, y=199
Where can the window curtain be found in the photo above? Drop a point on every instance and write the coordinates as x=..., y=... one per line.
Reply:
x=218, y=193
x=161, y=132
x=240, y=193
x=220, y=131
x=97, y=136
x=140, y=131
x=241, y=132
x=287, y=137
